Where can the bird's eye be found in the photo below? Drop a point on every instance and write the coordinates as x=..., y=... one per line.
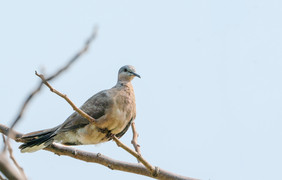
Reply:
x=125, y=70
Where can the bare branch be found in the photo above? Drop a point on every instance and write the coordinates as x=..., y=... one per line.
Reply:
x=134, y=138
x=20, y=169
x=113, y=164
x=83, y=114
x=77, y=55
x=4, y=147
x=6, y=130
x=153, y=170
x=7, y=169
x=26, y=102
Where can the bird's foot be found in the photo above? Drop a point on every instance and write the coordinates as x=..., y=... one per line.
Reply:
x=110, y=136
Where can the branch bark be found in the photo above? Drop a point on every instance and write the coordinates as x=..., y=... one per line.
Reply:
x=101, y=159
x=10, y=150
x=154, y=170
x=83, y=114
x=134, y=138
x=7, y=169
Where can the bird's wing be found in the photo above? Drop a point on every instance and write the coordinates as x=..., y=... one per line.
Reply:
x=96, y=107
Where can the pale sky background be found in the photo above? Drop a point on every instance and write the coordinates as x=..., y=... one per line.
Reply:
x=209, y=101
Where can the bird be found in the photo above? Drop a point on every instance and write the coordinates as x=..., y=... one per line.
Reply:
x=113, y=109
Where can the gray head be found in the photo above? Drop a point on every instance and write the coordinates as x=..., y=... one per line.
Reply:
x=127, y=73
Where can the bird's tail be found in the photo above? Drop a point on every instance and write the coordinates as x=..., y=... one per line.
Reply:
x=35, y=141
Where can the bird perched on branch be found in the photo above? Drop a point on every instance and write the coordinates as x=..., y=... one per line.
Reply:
x=113, y=109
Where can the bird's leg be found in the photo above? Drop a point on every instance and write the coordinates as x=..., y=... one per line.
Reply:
x=110, y=136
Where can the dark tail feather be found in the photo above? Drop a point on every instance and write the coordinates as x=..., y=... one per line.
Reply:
x=37, y=140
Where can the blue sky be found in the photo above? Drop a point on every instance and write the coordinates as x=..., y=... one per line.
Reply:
x=209, y=101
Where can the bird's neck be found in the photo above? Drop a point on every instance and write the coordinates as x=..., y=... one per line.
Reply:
x=123, y=83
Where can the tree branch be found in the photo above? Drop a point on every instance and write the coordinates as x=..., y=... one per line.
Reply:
x=134, y=138
x=77, y=55
x=20, y=169
x=83, y=114
x=113, y=164
x=7, y=169
x=153, y=170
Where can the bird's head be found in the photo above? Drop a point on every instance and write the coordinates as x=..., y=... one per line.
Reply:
x=127, y=73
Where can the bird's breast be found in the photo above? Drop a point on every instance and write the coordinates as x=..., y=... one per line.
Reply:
x=118, y=120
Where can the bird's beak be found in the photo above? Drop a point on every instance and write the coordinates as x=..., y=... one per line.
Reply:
x=135, y=74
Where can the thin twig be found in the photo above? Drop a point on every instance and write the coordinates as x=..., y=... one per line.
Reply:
x=92, y=120
x=83, y=114
x=153, y=170
x=6, y=168
x=20, y=169
x=4, y=147
x=134, y=138
x=77, y=55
